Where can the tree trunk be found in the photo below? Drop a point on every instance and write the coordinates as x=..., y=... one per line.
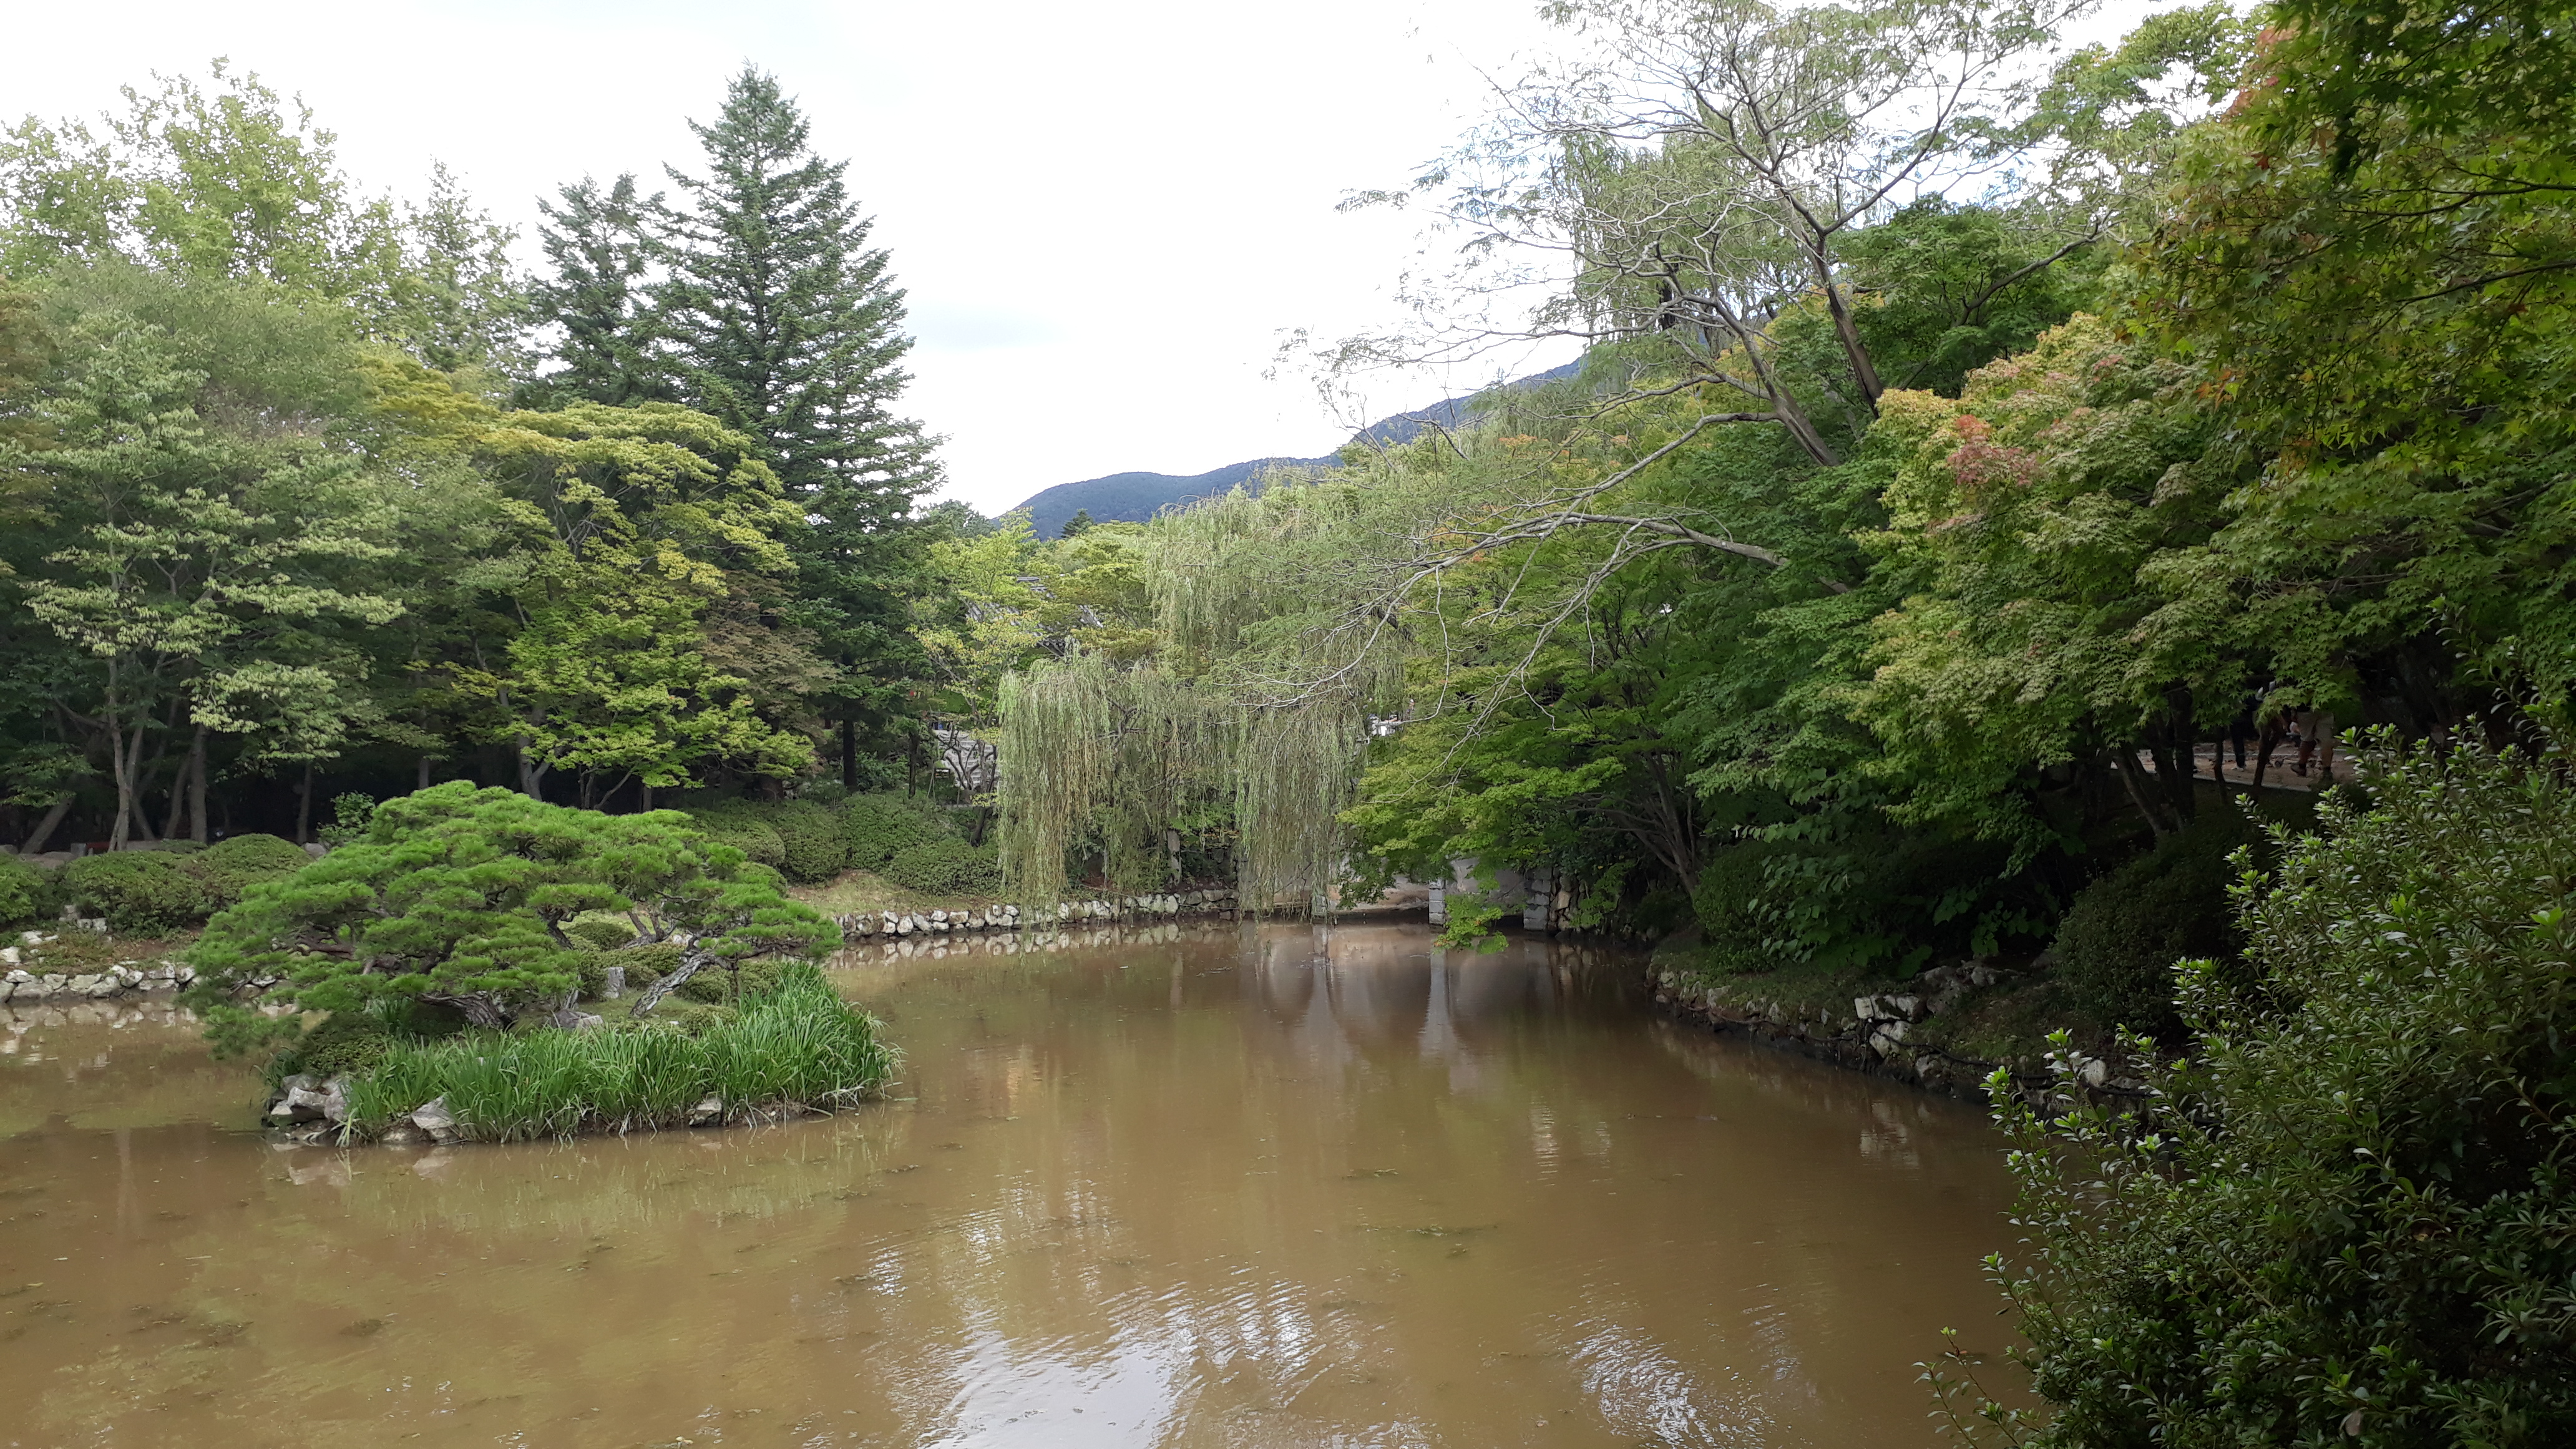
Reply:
x=44, y=830
x=128, y=808
x=691, y=961
x=189, y=763
x=304, y=807
x=424, y=773
x=197, y=788
x=2142, y=794
x=849, y=754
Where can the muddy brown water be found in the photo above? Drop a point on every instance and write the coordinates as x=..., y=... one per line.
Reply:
x=1191, y=1185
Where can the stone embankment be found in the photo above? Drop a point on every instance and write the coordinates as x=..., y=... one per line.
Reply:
x=20, y=985
x=862, y=925
x=1886, y=1035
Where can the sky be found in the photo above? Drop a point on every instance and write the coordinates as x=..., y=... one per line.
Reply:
x=1108, y=218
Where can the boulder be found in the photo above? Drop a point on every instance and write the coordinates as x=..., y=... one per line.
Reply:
x=403, y=1134
x=708, y=1112
x=9, y=957
x=307, y=1100
x=588, y=1021
x=1886, y=1036
x=433, y=1118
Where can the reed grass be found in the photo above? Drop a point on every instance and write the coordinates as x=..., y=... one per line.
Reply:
x=796, y=1045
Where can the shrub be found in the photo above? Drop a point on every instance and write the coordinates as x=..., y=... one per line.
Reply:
x=601, y=933
x=228, y=868
x=947, y=867
x=26, y=892
x=718, y=987
x=141, y=892
x=878, y=827
x=2353, y=1220
x=811, y=846
x=1730, y=906
x=2118, y=944
x=732, y=825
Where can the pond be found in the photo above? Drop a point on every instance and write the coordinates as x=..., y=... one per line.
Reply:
x=1183, y=1185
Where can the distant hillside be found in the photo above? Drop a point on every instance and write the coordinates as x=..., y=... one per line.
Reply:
x=1135, y=497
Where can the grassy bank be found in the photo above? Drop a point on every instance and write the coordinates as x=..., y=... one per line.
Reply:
x=793, y=1045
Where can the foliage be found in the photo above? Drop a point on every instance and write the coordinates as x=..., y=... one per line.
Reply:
x=946, y=867
x=794, y=1044
x=2122, y=934
x=875, y=827
x=25, y=891
x=233, y=865
x=2353, y=1217
x=140, y=892
x=459, y=897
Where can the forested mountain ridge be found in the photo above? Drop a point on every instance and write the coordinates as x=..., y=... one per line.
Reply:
x=1136, y=497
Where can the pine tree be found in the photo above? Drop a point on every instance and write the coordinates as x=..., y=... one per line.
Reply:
x=778, y=318
x=601, y=253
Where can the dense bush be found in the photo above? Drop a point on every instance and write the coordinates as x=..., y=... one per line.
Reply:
x=1730, y=909
x=793, y=1043
x=946, y=867
x=601, y=933
x=2117, y=946
x=732, y=824
x=229, y=867
x=26, y=892
x=811, y=844
x=2353, y=1221
x=878, y=827
x=141, y=892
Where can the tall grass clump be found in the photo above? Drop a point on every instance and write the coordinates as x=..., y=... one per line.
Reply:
x=792, y=1045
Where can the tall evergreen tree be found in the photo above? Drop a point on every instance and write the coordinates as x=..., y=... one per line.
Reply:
x=778, y=317
x=601, y=250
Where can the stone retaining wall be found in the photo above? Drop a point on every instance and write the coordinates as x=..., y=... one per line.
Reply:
x=863, y=925
x=1877, y=1037
x=123, y=978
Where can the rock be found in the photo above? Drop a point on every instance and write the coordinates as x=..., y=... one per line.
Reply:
x=86, y=984
x=9, y=957
x=1886, y=1036
x=183, y=974
x=588, y=1021
x=95, y=925
x=285, y=1107
x=613, y=983
x=433, y=1118
x=708, y=1112
x=2096, y=1072
x=33, y=938
x=316, y=849
x=403, y=1134
x=19, y=976
x=306, y=1101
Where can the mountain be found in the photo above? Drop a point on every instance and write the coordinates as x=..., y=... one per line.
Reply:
x=1135, y=497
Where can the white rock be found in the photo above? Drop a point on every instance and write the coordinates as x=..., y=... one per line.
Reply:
x=8, y=956
x=433, y=1118
x=2096, y=1071
x=709, y=1109
x=20, y=976
x=588, y=1021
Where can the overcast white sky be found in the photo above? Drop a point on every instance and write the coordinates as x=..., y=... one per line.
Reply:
x=1106, y=215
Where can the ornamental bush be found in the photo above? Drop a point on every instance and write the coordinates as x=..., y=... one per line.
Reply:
x=140, y=892
x=878, y=827
x=733, y=825
x=811, y=845
x=946, y=867
x=227, y=868
x=26, y=892
x=458, y=897
x=2353, y=1219
x=2117, y=946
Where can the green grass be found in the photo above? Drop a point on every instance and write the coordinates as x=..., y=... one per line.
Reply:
x=855, y=891
x=796, y=1045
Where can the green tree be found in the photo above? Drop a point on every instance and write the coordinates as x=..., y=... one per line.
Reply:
x=778, y=318
x=459, y=897
x=2350, y=1216
x=601, y=250
x=193, y=557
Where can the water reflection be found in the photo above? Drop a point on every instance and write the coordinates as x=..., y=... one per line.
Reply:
x=1175, y=1185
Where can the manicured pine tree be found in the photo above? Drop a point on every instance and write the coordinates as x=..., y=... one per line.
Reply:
x=778, y=317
